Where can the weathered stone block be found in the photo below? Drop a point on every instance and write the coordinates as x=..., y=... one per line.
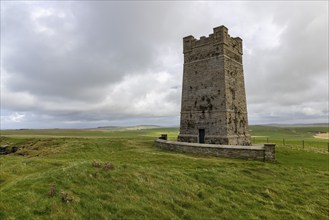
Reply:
x=163, y=137
x=269, y=154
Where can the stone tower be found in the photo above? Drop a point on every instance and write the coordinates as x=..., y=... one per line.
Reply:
x=214, y=108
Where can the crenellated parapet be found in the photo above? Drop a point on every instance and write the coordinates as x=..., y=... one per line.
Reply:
x=217, y=43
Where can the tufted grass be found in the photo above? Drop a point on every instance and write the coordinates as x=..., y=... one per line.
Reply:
x=55, y=177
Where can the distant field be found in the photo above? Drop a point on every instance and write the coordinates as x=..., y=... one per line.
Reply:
x=116, y=173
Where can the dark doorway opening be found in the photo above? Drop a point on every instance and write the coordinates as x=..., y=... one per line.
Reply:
x=202, y=133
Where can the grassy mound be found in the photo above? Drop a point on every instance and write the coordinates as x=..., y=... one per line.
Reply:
x=109, y=174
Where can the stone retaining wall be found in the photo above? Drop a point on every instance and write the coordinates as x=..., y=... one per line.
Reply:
x=264, y=152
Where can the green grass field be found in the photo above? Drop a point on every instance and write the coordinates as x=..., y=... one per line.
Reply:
x=119, y=174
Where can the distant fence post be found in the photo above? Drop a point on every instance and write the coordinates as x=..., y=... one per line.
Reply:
x=303, y=144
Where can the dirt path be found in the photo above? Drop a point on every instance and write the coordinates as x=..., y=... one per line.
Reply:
x=322, y=136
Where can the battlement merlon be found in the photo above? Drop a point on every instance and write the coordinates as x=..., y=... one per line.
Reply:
x=219, y=36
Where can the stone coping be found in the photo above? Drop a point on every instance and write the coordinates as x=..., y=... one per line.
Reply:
x=264, y=152
x=252, y=147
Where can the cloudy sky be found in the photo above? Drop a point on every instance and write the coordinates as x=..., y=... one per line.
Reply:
x=86, y=63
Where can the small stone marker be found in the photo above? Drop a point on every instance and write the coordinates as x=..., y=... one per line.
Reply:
x=163, y=137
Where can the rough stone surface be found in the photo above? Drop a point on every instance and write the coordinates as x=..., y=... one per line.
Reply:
x=269, y=150
x=6, y=149
x=213, y=94
x=264, y=153
x=3, y=149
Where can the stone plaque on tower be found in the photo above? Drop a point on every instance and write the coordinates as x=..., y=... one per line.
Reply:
x=213, y=108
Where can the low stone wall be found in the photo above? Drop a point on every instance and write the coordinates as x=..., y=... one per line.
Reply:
x=264, y=152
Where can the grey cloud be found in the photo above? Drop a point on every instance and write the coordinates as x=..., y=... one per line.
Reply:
x=295, y=72
x=121, y=62
x=104, y=44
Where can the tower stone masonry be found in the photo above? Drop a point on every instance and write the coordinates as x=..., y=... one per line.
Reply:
x=213, y=108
